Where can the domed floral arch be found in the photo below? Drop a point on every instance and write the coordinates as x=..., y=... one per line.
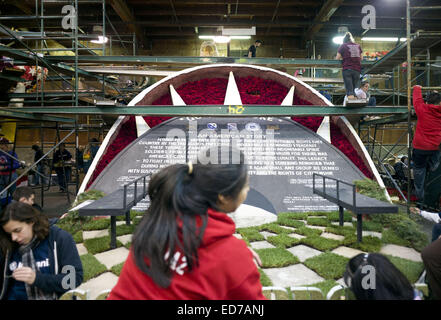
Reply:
x=231, y=84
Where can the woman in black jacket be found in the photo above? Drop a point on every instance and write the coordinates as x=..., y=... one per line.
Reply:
x=38, y=261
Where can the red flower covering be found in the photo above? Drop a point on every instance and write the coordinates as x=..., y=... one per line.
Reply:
x=212, y=91
x=126, y=135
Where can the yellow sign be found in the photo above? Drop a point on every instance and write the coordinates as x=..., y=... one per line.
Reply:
x=236, y=109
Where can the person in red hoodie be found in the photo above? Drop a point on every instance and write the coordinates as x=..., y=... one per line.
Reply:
x=427, y=139
x=184, y=246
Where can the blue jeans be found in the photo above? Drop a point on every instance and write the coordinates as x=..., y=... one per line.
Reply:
x=423, y=159
x=61, y=174
x=351, y=78
x=37, y=178
x=372, y=102
x=436, y=231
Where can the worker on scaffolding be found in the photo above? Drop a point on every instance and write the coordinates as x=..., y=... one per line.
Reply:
x=427, y=139
x=350, y=54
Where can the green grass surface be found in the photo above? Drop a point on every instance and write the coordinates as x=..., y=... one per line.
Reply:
x=124, y=229
x=369, y=244
x=307, y=232
x=98, y=245
x=328, y=265
x=334, y=216
x=116, y=269
x=276, y=258
x=321, y=222
x=290, y=222
x=78, y=237
x=390, y=236
x=370, y=226
x=274, y=228
x=264, y=279
x=325, y=286
x=320, y=243
x=91, y=267
x=342, y=231
x=250, y=234
x=293, y=215
x=283, y=241
x=318, y=213
x=96, y=225
x=411, y=269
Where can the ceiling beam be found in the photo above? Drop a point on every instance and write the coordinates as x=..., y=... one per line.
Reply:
x=265, y=3
x=23, y=6
x=325, y=13
x=126, y=15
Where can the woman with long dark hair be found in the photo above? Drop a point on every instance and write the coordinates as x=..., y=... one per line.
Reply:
x=37, y=261
x=350, y=54
x=184, y=247
x=371, y=276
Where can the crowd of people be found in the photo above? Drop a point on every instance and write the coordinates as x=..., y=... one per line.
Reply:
x=183, y=248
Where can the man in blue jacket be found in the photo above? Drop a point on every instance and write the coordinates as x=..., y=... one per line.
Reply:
x=8, y=167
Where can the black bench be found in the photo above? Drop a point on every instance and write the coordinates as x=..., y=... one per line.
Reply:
x=345, y=196
x=117, y=203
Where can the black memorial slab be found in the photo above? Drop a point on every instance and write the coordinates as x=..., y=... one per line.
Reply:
x=282, y=157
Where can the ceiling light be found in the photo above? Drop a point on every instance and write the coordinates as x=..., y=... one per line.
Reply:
x=100, y=40
x=382, y=39
x=338, y=40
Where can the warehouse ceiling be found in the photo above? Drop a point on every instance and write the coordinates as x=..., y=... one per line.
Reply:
x=184, y=19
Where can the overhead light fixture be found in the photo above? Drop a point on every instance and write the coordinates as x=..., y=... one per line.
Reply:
x=382, y=39
x=338, y=39
x=224, y=39
x=98, y=31
x=100, y=40
x=238, y=31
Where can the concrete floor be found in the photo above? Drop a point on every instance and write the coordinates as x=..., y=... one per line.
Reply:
x=55, y=202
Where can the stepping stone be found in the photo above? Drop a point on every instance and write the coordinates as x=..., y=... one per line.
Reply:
x=341, y=281
x=120, y=223
x=346, y=252
x=288, y=228
x=95, y=234
x=373, y=234
x=261, y=245
x=249, y=216
x=304, y=252
x=345, y=224
x=296, y=275
x=297, y=236
x=96, y=285
x=316, y=227
x=401, y=252
x=332, y=236
x=267, y=234
x=318, y=217
x=81, y=249
x=238, y=236
x=125, y=238
x=112, y=257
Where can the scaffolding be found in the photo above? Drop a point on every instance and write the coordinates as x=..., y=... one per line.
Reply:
x=68, y=75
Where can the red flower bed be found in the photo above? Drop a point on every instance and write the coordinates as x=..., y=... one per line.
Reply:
x=212, y=91
x=126, y=135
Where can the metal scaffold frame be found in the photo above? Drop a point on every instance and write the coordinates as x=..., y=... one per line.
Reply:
x=34, y=56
